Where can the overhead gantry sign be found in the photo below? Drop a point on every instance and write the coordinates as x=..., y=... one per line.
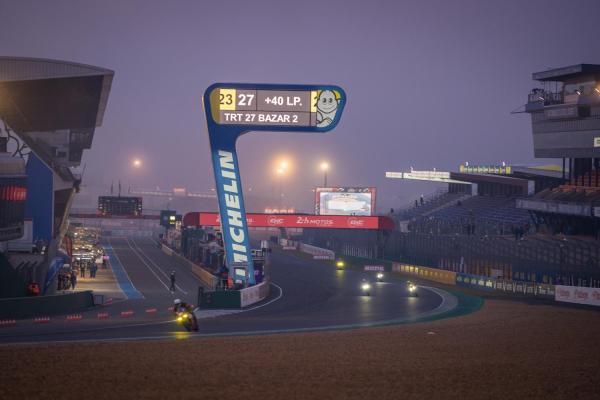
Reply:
x=233, y=109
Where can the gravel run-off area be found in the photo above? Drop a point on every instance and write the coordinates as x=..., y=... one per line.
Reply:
x=507, y=350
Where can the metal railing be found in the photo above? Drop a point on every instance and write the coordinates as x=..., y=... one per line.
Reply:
x=548, y=98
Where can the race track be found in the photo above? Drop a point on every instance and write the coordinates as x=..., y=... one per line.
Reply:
x=305, y=295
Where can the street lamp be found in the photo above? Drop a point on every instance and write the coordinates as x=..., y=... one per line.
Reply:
x=137, y=163
x=324, y=168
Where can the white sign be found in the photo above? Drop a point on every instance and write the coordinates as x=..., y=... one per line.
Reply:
x=578, y=294
x=378, y=268
x=597, y=142
x=252, y=294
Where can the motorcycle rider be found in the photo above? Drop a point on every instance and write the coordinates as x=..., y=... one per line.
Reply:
x=182, y=306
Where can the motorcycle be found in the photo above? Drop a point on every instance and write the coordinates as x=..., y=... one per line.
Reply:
x=380, y=277
x=412, y=289
x=366, y=288
x=187, y=319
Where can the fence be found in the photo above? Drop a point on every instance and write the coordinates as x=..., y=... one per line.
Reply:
x=536, y=258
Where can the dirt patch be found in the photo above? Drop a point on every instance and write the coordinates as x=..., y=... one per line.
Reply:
x=508, y=350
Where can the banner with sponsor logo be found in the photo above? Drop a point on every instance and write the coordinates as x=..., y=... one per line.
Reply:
x=375, y=268
x=432, y=274
x=296, y=221
x=577, y=294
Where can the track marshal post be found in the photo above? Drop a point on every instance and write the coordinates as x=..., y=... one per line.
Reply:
x=232, y=109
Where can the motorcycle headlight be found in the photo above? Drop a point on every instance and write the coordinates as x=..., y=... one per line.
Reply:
x=366, y=286
x=185, y=315
x=179, y=319
x=379, y=275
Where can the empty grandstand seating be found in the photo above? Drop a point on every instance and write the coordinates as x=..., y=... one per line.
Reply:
x=494, y=209
x=590, y=179
x=571, y=193
x=432, y=203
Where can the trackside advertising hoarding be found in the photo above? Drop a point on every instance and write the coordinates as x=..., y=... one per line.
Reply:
x=295, y=221
x=577, y=294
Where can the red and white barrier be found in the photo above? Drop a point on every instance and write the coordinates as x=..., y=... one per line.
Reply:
x=7, y=322
x=128, y=313
x=74, y=317
x=151, y=311
x=577, y=294
x=102, y=315
x=41, y=320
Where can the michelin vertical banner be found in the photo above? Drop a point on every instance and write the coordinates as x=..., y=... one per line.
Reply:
x=233, y=109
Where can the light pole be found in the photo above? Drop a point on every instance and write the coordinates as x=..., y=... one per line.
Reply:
x=281, y=171
x=324, y=168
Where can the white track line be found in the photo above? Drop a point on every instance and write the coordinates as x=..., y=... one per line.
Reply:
x=269, y=302
x=147, y=266
x=156, y=265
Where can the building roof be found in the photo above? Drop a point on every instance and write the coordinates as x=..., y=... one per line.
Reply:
x=54, y=106
x=43, y=95
x=565, y=73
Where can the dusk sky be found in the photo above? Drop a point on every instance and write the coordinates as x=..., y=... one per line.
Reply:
x=429, y=83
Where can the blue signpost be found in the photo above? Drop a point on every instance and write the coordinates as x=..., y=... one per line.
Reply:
x=233, y=109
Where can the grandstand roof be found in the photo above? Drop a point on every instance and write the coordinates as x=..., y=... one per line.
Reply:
x=549, y=171
x=43, y=95
x=499, y=179
x=565, y=73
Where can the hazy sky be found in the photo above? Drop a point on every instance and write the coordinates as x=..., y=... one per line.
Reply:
x=429, y=83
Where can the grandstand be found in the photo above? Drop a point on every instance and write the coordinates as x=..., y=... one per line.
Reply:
x=529, y=223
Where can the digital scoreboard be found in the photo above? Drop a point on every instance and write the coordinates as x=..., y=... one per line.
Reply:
x=117, y=205
x=301, y=108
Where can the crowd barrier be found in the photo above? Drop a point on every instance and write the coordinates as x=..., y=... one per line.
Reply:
x=254, y=294
x=487, y=283
x=475, y=281
x=287, y=244
x=578, y=295
x=234, y=298
x=318, y=253
x=432, y=274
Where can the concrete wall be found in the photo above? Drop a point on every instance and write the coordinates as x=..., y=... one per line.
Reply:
x=209, y=280
x=41, y=306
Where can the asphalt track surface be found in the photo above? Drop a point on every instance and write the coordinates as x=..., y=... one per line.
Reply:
x=305, y=295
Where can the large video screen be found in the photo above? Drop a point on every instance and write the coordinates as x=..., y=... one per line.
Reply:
x=345, y=201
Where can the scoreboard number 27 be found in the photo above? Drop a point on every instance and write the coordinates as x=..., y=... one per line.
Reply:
x=229, y=99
